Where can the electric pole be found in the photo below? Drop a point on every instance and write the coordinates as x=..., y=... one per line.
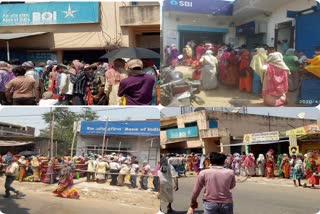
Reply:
x=51, y=132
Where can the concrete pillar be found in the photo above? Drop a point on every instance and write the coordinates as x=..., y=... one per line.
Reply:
x=247, y=149
x=225, y=141
x=60, y=56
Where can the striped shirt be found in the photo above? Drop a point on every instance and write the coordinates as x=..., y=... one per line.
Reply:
x=80, y=84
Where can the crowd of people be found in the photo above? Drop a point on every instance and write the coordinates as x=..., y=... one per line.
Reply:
x=121, y=82
x=96, y=168
x=262, y=71
x=296, y=167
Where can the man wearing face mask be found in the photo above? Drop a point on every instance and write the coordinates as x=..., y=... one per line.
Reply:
x=80, y=85
x=168, y=183
x=137, y=88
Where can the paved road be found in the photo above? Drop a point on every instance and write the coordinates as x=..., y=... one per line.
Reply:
x=253, y=198
x=39, y=203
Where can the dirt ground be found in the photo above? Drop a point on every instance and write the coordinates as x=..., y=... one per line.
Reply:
x=232, y=97
x=93, y=190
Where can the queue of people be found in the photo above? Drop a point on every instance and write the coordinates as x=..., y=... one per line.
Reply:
x=96, y=168
x=121, y=82
x=262, y=71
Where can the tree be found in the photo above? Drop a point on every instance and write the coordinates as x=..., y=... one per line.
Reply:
x=63, y=125
x=63, y=128
x=87, y=114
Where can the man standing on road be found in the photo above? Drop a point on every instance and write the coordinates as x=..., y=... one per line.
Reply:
x=11, y=174
x=217, y=182
x=137, y=88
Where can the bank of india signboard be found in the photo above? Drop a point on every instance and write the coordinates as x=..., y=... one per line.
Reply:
x=213, y=7
x=129, y=128
x=182, y=133
x=261, y=137
x=49, y=13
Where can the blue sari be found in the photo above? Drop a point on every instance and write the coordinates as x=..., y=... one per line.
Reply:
x=256, y=84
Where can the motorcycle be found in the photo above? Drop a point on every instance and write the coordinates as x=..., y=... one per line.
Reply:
x=174, y=86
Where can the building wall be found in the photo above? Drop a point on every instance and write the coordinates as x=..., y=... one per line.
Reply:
x=279, y=15
x=240, y=124
x=103, y=35
x=172, y=19
x=139, y=146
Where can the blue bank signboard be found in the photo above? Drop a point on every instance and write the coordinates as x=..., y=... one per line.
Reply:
x=182, y=133
x=49, y=13
x=214, y=7
x=129, y=128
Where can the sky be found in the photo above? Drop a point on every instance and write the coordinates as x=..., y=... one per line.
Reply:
x=31, y=116
x=310, y=113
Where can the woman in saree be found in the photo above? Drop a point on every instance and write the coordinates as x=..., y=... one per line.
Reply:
x=35, y=168
x=187, y=55
x=22, y=167
x=245, y=82
x=232, y=73
x=223, y=65
x=190, y=163
x=173, y=56
x=196, y=164
x=285, y=166
x=292, y=61
x=275, y=82
x=50, y=171
x=257, y=63
x=261, y=163
x=249, y=164
x=236, y=163
x=270, y=167
x=209, y=71
x=65, y=187
x=310, y=168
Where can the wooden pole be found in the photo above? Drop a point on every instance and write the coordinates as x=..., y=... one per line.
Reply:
x=52, y=129
x=104, y=136
x=74, y=137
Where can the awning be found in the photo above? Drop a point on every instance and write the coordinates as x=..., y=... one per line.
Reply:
x=15, y=143
x=10, y=36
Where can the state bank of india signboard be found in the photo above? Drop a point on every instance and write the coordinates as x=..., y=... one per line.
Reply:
x=50, y=13
x=213, y=7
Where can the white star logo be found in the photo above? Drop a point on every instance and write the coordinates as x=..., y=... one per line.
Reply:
x=69, y=12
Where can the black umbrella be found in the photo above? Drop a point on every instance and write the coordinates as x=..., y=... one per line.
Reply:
x=132, y=53
x=26, y=153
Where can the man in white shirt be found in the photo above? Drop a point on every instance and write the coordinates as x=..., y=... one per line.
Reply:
x=133, y=173
x=11, y=174
x=66, y=85
x=114, y=170
x=47, y=100
x=91, y=169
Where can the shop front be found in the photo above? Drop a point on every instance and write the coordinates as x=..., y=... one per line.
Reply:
x=200, y=21
x=252, y=34
x=138, y=138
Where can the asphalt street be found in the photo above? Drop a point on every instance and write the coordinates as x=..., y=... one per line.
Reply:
x=255, y=198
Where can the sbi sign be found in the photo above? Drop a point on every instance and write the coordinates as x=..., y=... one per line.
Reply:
x=181, y=3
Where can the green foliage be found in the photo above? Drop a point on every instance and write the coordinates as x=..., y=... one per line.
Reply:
x=63, y=126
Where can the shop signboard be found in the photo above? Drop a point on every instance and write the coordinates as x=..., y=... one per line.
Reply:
x=41, y=56
x=49, y=13
x=310, y=129
x=261, y=137
x=188, y=132
x=213, y=7
x=129, y=128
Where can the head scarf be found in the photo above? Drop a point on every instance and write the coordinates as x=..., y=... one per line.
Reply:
x=276, y=59
x=258, y=61
x=50, y=62
x=28, y=64
x=77, y=65
x=314, y=66
x=261, y=158
x=4, y=66
x=290, y=51
x=164, y=165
